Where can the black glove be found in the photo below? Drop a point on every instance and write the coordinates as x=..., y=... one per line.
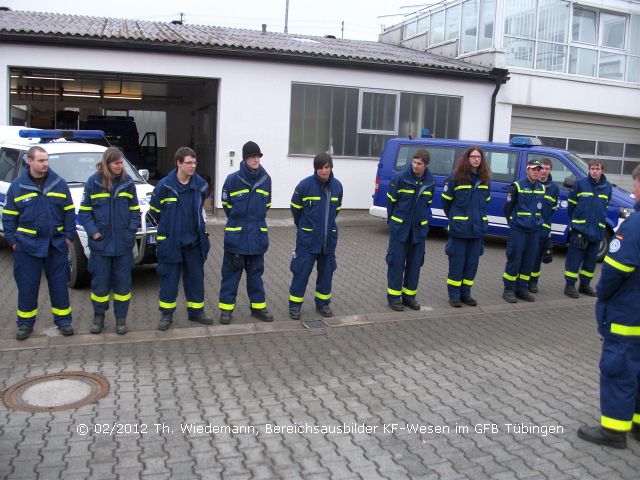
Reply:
x=237, y=262
x=547, y=251
x=579, y=241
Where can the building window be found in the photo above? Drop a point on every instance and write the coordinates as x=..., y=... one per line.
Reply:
x=378, y=112
x=613, y=30
x=583, y=26
x=519, y=52
x=582, y=61
x=410, y=30
x=610, y=149
x=469, y=33
x=551, y=57
x=485, y=30
x=611, y=65
x=437, y=28
x=452, y=26
x=423, y=25
x=632, y=150
x=554, y=142
x=585, y=147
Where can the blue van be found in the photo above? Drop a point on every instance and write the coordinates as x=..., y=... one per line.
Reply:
x=508, y=163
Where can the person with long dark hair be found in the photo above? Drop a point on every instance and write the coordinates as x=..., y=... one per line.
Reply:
x=110, y=215
x=465, y=195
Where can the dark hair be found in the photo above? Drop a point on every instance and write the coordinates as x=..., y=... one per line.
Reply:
x=32, y=152
x=321, y=159
x=546, y=161
x=111, y=154
x=462, y=168
x=182, y=153
x=422, y=154
x=596, y=161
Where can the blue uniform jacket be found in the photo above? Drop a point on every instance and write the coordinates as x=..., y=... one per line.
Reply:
x=618, y=290
x=465, y=203
x=523, y=207
x=315, y=206
x=409, y=206
x=550, y=204
x=588, y=202
x=245, y=201
x=34, y=218
x=115, y=214
x=163, y=207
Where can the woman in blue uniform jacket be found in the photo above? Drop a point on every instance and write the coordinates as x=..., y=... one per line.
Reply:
x=465, y=195
x=111, y=217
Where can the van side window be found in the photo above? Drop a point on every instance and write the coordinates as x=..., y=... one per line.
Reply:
x=8, y=162
x=503, y=165
x=559, y=170
x=442, y=158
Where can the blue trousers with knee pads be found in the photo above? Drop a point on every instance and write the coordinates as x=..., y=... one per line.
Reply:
x=301, y=267
x=231, y=274
x=619, y=384
x=464, y=257
x=522, y=250
x=192, y=270
x=404, y=260
x=111, y=274
x=581, y=263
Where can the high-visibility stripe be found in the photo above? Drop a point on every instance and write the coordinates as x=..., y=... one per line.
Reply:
x=636, y=418
x=586, y=274
x=135, y=207
x=569, y=274
x=546, y=225
x=195, y=304
x=295, y=205
x=603, y=196
x=61, y=311
x=460, y=218
x=69, y=207
x=447, y=197
x=99, y=299
x=396, y=219
x=225, y=204
x=167, y=304
x=306, y=229
x=396, y=293
x=27, y=230
x=334, y=199
x=122, y=298
x=535, y=274
x=295, y=299
x=226, y=306
x=311, y=199
x=391, y=198
x=424, y=222
x=339, y=208
x=26, y=195
x=263, y=229
x=585, y=194
x=10, y=212
x=169, y=199
x=525, y=277
x=406, y=291
x=613, y=424
x=538, y=191
x=485, y=218
x=509, y=277
x=232, y=229
x=268, y=205
x=100, y=195
x=578, y=221
x=125, y=194
x=84, y=207
x=238, y=192
x=455, y=283
x=154, y=208
x=550, y=198
x=263, y=192
x=467, y=282
x=161, y=237
x=259, y=305
x=30, y=314
x=484, y=186
x=406, y=190
x=427, y=192
x=524, y=214
x=625, y=330
x=462, y=187
x=620, y=266
x=56, y=194
x=601, y=225
x=323, y=296
x=488, y=199
x=60, y=228
x=572, y=201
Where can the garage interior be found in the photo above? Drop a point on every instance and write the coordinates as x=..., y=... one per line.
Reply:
x=180, y=111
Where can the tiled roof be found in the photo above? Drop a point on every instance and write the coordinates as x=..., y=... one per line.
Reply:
x=78, y=29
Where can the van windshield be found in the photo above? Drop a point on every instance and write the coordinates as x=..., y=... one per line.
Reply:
x=578, y=162
x=78, y=167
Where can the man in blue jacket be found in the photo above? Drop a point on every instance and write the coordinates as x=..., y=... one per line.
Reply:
x=39, y=224
x=588, y=202
x=177, y=204
x=619, y=324
x=315, y=204
x=549, y=206
x=246, y=197
x=523, y=211
x=408, y=212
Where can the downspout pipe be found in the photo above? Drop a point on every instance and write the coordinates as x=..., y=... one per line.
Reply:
x=501, y=76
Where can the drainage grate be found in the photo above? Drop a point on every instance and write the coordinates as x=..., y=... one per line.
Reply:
x=56, y=391
x=318, y=323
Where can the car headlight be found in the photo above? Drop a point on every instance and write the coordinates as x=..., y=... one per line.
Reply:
x=625, y=212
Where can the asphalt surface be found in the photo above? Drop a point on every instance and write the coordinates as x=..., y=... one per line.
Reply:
x=496, y=391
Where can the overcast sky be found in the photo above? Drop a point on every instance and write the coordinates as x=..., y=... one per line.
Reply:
x=309, y=17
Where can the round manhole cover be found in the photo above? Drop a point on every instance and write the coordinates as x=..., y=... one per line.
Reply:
x=56, y=391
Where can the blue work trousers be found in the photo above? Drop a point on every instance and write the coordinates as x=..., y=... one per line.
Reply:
x=27, y=270
x=232, y=269
x=404, y=260
x=464, y=256
x=581, y=263
x=111, y=274
x=620, y=384
x=522, y=250
x=192, y=270
x=536, y=269
x=301, y=267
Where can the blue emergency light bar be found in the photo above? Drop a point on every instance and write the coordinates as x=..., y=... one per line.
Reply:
x=66, y=134
x=525, y=141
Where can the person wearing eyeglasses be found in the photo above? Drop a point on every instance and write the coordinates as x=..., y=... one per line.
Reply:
x=177, y=204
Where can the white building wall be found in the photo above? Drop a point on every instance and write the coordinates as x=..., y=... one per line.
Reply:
x=254, y=104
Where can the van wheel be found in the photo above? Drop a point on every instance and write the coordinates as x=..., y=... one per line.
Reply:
x=78, y=263
x=604, y=246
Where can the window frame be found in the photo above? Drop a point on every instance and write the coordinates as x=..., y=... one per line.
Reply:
x=396, y=119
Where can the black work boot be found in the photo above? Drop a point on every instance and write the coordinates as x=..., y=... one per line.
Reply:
x=509, y=296
x=587, y=290
x=165, y=321
x=396, y=305
x=324, y=310
x=66, y=330
x=225, y=317
x=411, y=302
x=121, y=326
x=469, y=301
x=533, y=286
x=635, y=431
x=570, y=291
x=526, y=296
x=455, y=302
x=98, y=323
x=262, y=313
x=294, y=312
x=24, y=332
x=202, y=318
x=603, y=436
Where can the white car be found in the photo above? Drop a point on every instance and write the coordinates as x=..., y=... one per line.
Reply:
x=75, y=162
